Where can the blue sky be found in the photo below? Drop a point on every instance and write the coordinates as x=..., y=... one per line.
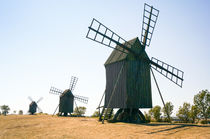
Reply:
x=42, y=44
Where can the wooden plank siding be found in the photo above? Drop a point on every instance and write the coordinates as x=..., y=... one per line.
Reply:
x=66, y=102
x=134, y=87
x=119, y=97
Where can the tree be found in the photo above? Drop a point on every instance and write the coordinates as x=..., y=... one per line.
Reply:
x=20, y=112
x=202, y=102
x=95, y=114
x=184, y=112
x=79, y=111
x=155, y=113
x=5, y=109
x=14, y=111
x=194, y=113
x=147, y=116
x=169, y=108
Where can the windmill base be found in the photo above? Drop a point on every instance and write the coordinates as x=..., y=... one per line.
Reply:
x=129, y=116
x=64, y=114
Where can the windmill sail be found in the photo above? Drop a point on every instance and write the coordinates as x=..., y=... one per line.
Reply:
x=170, y=72
x=81, y=99
x=149, y=21
x=55, y=91
x=101, y=34
x=39, y=100
x=30, y=98
x=73, y=83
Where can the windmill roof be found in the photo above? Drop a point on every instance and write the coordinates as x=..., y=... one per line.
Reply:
x=67, y=93
x=117, y=56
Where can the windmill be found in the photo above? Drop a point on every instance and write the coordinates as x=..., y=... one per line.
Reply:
x=67, y=98
x=128, y=70
x=34, y=106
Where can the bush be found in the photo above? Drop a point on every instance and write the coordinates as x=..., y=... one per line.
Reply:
x=155, y=113
x=147, y=117
x=205, y=121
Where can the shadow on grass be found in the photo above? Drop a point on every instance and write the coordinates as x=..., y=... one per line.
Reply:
x=171, y=128
x=168, y=128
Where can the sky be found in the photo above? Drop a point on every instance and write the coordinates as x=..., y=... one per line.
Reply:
x=43, y=44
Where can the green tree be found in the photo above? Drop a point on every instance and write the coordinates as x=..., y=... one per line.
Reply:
x=79, y=111
x=169, y=108
x=95, y=114
x=20, y=112
x=184, y=112
x=202, y=102
x=155, y=113
x=147, y=116
x=194, y=113
x=5, y=109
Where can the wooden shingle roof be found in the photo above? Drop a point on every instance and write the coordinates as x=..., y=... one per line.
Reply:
x=117, y=56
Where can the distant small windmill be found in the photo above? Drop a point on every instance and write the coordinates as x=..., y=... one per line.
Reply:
x=34, y=106
x=66, y=103
x=128, y=80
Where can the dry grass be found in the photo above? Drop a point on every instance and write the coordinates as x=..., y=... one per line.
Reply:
x=45, y=126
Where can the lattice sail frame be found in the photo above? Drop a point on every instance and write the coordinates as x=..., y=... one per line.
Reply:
x=149, y=21
x=73, y=83
x=55, y=91
x=81, y=99
x=173, y=74
x=102, y=34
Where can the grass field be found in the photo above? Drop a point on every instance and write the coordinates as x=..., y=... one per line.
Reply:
x=46, y=126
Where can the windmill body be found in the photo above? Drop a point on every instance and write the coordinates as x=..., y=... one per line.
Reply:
x=133, y=89
x=128, y=69
x=33, y=106
x=67, y=99
x=66, y=102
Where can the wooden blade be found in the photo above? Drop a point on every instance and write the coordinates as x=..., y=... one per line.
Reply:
x=81, y=99
x=55, y=91
x=30, y=98
x=73, y=83
x=170, y=72
x=101, y=34
x=149, y=21
x=39, y=100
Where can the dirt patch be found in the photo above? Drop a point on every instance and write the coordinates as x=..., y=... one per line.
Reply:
x=46, y=126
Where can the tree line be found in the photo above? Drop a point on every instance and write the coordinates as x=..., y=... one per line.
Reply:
x=5, y=110
x=187, y=113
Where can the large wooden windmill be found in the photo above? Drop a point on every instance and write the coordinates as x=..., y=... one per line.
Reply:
x=66, y=104
x=128, y=78
x=33, y=106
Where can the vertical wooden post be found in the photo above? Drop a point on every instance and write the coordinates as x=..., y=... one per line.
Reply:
x=161, y=96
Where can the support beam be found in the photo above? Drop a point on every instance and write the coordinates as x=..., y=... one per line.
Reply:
x=161, y=96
